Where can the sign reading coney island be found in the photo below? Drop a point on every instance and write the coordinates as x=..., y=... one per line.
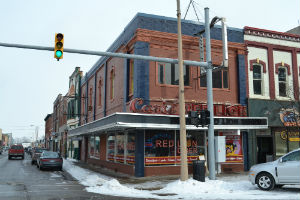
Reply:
x=289, y=117
x=138, y=105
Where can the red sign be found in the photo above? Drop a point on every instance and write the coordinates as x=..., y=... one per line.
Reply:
x=168, y=160
x=137, y=106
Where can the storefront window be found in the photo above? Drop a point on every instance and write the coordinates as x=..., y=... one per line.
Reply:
x=163, y=147
x=130, y=158
x=160, y=147
x=94, y=146
x=111, y=147
x=284, y=140
x=234, y=147
x=91, y=146
x=195, y=145
x=120, y=141
x=97, y=147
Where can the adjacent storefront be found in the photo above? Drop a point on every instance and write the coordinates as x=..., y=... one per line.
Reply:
x=282, y=135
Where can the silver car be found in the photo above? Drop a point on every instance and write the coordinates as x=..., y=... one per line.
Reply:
x=284, y=171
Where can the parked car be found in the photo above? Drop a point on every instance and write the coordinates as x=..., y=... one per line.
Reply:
x=16, y=150
x=285, y=170
x=36, y=153
x=50, y=159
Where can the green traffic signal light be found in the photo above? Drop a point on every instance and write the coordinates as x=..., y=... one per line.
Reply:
x=58, y=53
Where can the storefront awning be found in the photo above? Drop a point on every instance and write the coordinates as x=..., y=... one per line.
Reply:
x=122, y=121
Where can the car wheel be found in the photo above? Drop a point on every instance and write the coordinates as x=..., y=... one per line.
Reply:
x=60, y=168
x=265, y=181
x=22, y=157
x=9, y=157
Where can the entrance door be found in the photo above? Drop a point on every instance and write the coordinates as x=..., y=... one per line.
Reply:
x=264, y=149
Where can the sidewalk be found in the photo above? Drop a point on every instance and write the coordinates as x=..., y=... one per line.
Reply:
x=161, y=180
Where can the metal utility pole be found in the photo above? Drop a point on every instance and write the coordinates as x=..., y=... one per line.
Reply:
x=183, y=146
x=210, y=101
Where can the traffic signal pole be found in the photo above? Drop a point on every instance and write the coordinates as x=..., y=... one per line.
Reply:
x=207, y=65
x=108, y=54
x=210, y=101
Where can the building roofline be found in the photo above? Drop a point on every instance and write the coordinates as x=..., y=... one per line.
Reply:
x=269, y=33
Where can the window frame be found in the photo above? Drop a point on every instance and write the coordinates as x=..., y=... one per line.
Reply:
x=256, y=79
x=203, y=76
x=100, y=84
x=283, y=82
x=159, y=76
x=112, y=83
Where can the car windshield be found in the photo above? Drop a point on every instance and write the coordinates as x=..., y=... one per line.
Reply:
x=16, y=147
x=39, y=150
x=50, y=154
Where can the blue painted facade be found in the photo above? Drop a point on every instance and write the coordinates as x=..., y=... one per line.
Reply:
x=242, y=79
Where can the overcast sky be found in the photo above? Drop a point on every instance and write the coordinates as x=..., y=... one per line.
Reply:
x=31, y=80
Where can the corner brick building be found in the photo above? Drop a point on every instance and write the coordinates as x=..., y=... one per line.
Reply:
x=129, y=108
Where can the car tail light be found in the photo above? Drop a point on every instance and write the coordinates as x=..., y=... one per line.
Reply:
x=45, y=160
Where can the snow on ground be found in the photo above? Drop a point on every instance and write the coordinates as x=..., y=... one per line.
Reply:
x=190, y=189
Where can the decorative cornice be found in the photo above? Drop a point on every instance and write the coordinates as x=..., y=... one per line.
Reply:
x=282, y=64
x=170, y=39
x=258, y=61
x=271, y=34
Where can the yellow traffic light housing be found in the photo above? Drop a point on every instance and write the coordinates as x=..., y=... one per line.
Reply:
x=59, y=46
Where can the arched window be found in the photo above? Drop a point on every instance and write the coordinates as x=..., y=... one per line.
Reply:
x=100, y=92
x=83, y=103
x=90, y=107
x=257, y=79
x=282, y=81
x=112, y=83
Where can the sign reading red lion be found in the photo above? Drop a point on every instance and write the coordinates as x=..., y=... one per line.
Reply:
x=170, y=108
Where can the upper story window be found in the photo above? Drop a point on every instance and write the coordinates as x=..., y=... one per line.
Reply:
x=282, y=81
x=168, y=74
x=219, y=76
x=100, y=92
x=257, y=80
x=112, y=83
x=90, y=99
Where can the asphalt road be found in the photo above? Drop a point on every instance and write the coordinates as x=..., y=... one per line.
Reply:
x=19, y=180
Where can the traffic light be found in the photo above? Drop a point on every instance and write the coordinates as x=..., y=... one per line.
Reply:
x=204, y=117
x=59, y=46
x=194, y=117
x=199, y=118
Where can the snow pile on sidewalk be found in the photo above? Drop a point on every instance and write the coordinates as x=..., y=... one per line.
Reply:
x=190, y=189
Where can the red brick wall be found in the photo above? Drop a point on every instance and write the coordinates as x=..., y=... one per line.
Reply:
x=117, y=167
x=232, y=167
x=165, y=170
x=165, y=45
x=115, y=104
x=99, y=108
x=90, y=99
